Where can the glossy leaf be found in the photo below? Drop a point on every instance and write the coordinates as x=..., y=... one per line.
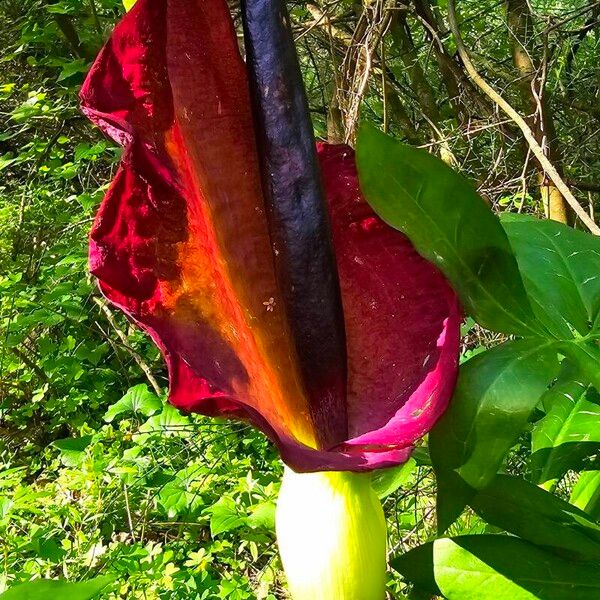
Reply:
x=497, y=567
x=586, y=355
x=416, y=566
x=450, y=225
x=586, y=493
x=42, y=589
x=569, y=432
x=495, y=394
x=534, y=514
x=561, y=269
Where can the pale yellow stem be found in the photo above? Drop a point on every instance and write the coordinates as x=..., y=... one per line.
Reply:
x=331, y=534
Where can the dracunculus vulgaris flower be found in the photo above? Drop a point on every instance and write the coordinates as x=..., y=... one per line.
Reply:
x=273, y=291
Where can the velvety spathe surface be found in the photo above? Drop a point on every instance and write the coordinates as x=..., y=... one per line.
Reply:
x=181, y=243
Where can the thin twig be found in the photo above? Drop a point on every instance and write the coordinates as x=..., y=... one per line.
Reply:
x=129, y=520
x=31, y=364
x=123, y=337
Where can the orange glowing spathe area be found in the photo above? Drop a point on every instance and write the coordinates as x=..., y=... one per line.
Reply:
x=224, y=296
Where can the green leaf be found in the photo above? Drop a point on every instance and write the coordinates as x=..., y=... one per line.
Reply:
x=262, y=516
x=60, y=8
x=586, y=355
x=538, y=516
x=421, y=456
x=561, y=271
x=48, y=548
x=73, y=68
x=73, y=449
x=416, y=566
x=169, y=422
x=497, y=567
x=450, y=225
x=174, y=498
x=387, y=481
x=43, y=589
x=138, y=400
x=179, y=495
x=569, y=432
x=586, y=493
x=225, y=516
x=495, y=394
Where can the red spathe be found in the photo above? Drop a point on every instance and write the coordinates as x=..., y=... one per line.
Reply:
x=181, y=245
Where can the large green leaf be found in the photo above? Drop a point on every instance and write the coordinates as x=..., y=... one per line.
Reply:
x=561, y=270
x=569, y=432
x=44, y=589
x=586, y=355
x=179, y=494
x=138, y=400
x=495, y=394
x=586, y=493
x=262, y=516
x=534, y=514
x=450, y=225
x=416, y=566
x=497, y=567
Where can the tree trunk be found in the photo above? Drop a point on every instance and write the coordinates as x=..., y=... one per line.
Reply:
x=402, y=40
x=536, y=104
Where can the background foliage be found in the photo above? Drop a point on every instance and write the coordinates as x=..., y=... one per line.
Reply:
x=98, y=477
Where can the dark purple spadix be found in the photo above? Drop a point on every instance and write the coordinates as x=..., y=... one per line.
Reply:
x=297, y=213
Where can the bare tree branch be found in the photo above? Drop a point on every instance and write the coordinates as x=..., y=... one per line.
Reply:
x=536, y=149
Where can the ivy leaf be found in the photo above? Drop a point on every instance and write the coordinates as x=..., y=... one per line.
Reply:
x=450, y=225
x=495, y=394
x=42, y=589
x=138, y=400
